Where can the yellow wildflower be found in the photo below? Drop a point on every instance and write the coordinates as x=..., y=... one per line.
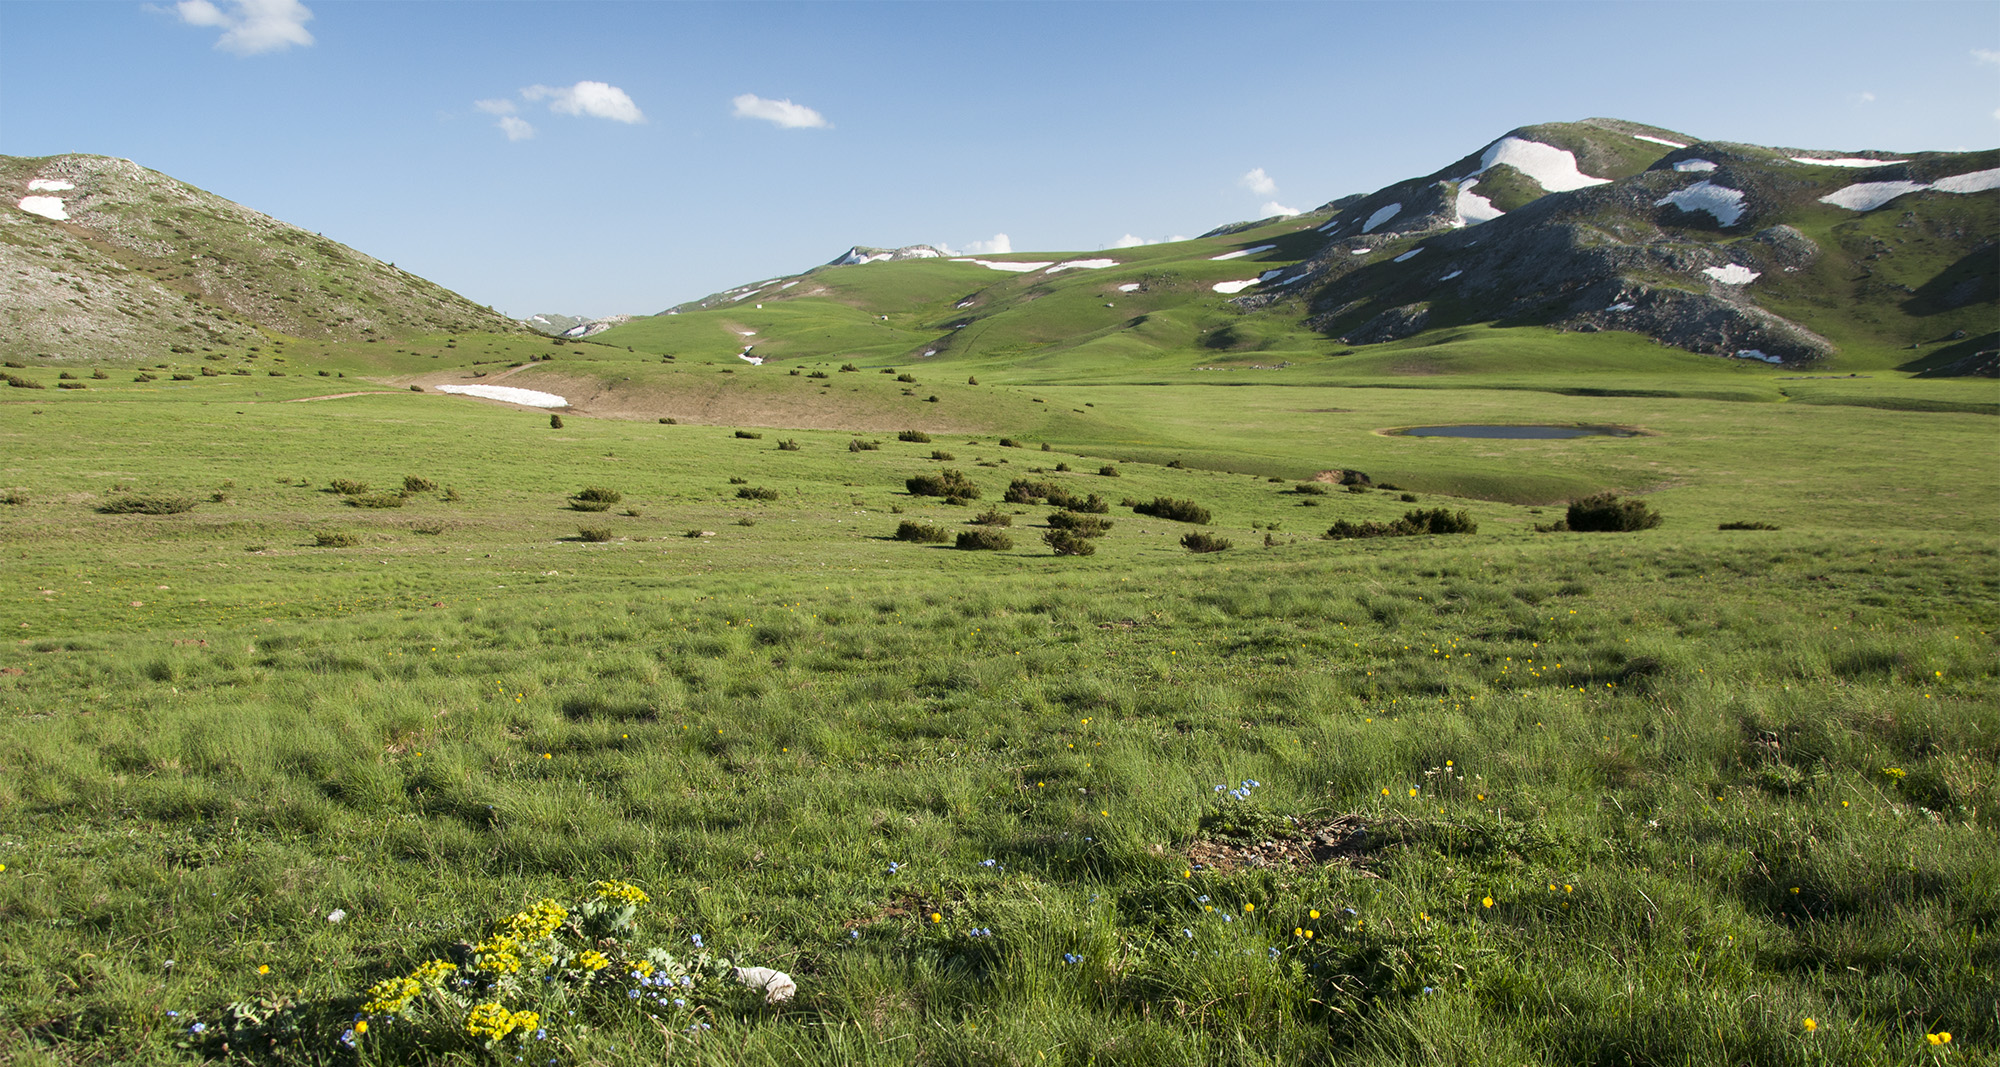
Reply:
x=622, y=892
x=593, y=960
x=489, y=1020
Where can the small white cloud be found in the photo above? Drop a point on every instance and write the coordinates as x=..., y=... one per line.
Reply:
x=595, y=99
x=1129, y=241
x=1986, y=55
x=495, y=107
x=782, y=113
x=1864, y=98
x=1000, y=244
x=516, y=127
x=1258, y=182
x=250, y=27
x=1272, y=207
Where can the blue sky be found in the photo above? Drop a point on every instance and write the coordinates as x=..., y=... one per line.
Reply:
x=681, y=148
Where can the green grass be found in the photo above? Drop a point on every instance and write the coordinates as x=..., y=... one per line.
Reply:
x=1714, y=783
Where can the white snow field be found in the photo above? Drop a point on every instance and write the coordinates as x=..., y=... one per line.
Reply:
x=1756, y=353
x=50, y=185
x=994, y=264
x=1721, y=201
x=1472, y=208
x=1659, y=140
x=1450, y=276
x=1733, y=274
x=526, y=397
x=1381, y=216
x=1241, y=252
x=48, y=207
x=1622, y=305
x=1694, y=166
x=1083, y=264
x=745, y=356
x=1867, y=196
x=1848, y=162
x=1551, y=167
x=1128, y=287
x=1235, y=287
x=1407, y=256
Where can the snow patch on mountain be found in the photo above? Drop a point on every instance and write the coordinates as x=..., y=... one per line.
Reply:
x=1381, y=216
x=1848, y=162
x=1235, y=287
x=1471, y=208
x=1694, y=166
x=527, y=397
x=1552, y=168
x=1867, y=196
x=50, y=185
x=994, y=264
x=1733, y=274
x=860, y=254
x=48, y=207
x=1241, y=252
x=1407, y=256
x=1724, y=203
x=1659, y=140
x=1083, y=264
x=1128, y=287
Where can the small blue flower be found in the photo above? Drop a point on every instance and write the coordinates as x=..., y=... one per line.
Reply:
x=173, y=1015
x=1430, y=989
x=542, y=1034
x=1220, y=788
x=197, y=1028
x=1229, y=918
x=696, y=938
x=854, y=935
x=347, y=1038
x=1185, y=932
x=679, y=1003
x=988, y=863
x=1202, y=899
x=633, y=993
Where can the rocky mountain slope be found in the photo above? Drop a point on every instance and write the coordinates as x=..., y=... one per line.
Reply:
x=104, y=258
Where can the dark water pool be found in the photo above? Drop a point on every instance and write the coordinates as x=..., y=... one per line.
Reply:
x=1516, y=433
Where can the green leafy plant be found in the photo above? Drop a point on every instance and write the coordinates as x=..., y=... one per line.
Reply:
x=921, y=533
x=1175, y=510
x=984, y=539
x=1201, y=541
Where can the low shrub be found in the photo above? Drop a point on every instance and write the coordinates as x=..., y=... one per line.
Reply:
x=942, y=456
x=1081, y=525
x=13, y=496
x=589, y=505
x=347, y=487
x=669, y=422
x=817, y=374
x=413, y=483
x=1107, y=471
x=1200, y=541
x=99, y=375
x=1610, y=513
x=858, y=445
x=71, y=385
x=178, y=378
x=748, y=435
x=593, y=534
x=1357, y=488
x=598, y=494
x=144, y=377
x=922, y=533
x=972, y=381
x=950, y=484
x=1161, y=507
x=986, y=539
x=1408, y=498
x=379, y=500
x=147, y=505
x=917, y=436
x=849, y=368
x=1008, y=442
x=989, y=517
x=1308, y=489
x=1747, y=526
x=1069, y=543
x=788, y=445
x=1062, y=468
x=911, y=378
x=1413, y=523
x=335, y=539
x=739, y=481
x=555, y=421
x=750, y=492
x=18, y=382
x=66, y=376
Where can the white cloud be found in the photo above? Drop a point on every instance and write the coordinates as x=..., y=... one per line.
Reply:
x=1864, y=98
x=1129, y=241
x=250, y=27
x=1272, y=207
x=1000, y=244
x=516, y=127
x=1258, y=182
x=495, y=107
x=595, y=99
x=778, y=112
x=1986, y=55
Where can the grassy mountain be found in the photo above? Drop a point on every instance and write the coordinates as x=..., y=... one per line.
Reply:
x=107, y=258
x=1780, y=256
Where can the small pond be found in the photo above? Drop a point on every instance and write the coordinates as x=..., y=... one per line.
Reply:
x=1516, y=433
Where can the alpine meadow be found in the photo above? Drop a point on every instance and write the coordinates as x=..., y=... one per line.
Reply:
x=1542, y=611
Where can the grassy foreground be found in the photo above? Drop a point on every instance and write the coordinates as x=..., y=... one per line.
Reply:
x=1681, y=796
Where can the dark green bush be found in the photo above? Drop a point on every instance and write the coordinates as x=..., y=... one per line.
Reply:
x=950, y=484
x=984, y=539
x=1610, y=513
x=555, y=421
x=1408, y=498
x=335, y=540
x=757, y=493
x=71, y=385
x=1081, y=525
x=669, y=422
x=347, y=487
x=1108, y=471
x=848, y=368
x=99, y=374
x=19, y=382
x=788, y=445
x=748, y=435
x=1413, y=523
x=1027, y=491
x=1309, y=489
x=147, y=505
x=589, y=505
x=906, y=378
x=858, y=445
x=922, y=533
x=917, y=436
x=989, y=517
x=598, y=494
x=739, y=481
x=413, y=483
x=1008, y=442
x=1069, y=543
x=1747, y=526
x=379, y=500
x=1199, y=541
x=593, y=534
x=817, y=374
x=68, y=377
x=942, y=456
x=1161, y=507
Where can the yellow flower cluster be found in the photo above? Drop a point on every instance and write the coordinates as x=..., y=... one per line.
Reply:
x=622, y=892
x=498, y=954
x=490, y=1021
x=538, y=922
x=434, y=972
x=593, y=960
x=644, y=967
x=391, y=995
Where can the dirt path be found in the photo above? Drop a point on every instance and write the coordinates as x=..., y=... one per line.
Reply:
x=341, y=396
